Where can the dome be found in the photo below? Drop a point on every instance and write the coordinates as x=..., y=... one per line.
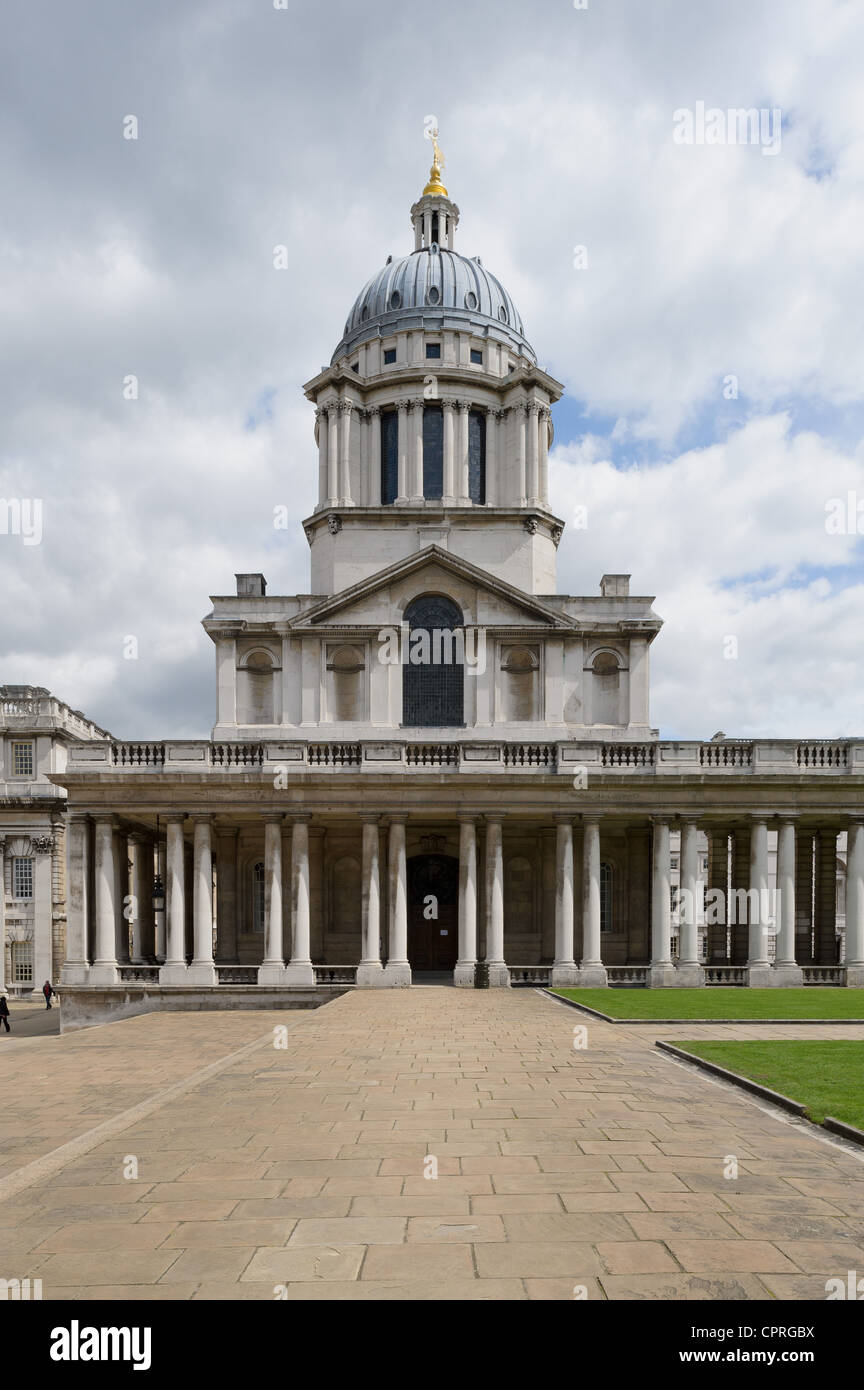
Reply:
x=434, y=288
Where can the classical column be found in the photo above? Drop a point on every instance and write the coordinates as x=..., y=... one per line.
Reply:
x=373, y=462
x=345, y=408
x=592, y=971
x=759, y=972
x=498, y=972
x=463, y=482
x=76, y=969
x=332, y=455
x=688, y=941
x=103, y=971
x=173, y=972
x=493, y=428
x=564, y=970
x=370, y=971
x=416, y=408
x=855, y=903
x=786, y=971
x=143, y=935
x=521, y=414
x=449, y=450
x=202, y=970
x=533, y=436
x=322, y=421
x=661, y=970
x=464, y=972
x=402, y=452
x=543, y=463
x=300, y=971
x=3, y=921
x=397, y=971
x=271, y=971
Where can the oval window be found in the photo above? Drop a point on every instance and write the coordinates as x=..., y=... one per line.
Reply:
x=364, y=312
x=434, y=294
x=470, y=300
x=502, y=314
x=395, y=300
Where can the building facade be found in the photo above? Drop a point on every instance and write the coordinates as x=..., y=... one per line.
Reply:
x=434, y=758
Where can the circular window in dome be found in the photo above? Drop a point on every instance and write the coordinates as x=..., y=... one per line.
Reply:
x=502, y=314
x=470, y=300
x=434, y=248
x=434, y=295
x=395, y=300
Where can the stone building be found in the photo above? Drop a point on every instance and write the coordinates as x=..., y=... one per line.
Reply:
x=434, y=757
x=36, y=731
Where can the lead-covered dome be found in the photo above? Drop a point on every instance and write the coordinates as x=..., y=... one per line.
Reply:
x=434, y=288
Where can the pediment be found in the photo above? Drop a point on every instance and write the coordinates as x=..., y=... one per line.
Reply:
x=381, y=598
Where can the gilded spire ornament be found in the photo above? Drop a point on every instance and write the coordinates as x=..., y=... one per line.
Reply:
x=438, y=161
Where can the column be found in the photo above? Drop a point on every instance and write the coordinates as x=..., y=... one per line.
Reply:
x=564, y=970
x=462, y=479
x=591, y=969
x=104, y=968
x=173, y=972
x=202, y=971
x=333, y=455
x=43, y=905
x=123, y=908
x=786, y=971
x=855, y=904
x=688, y=943
x=532, y=436
x=143, y=936
x=76, y=969
x=323, y=422
x=449, y=450
x=370, y=971
x=373, y=462
x=3, y=920
x=397, y=970
x=271, y=971
x=402, y=452
x=464, y=972
x=345, y=455
x=498, y=972
x=493, y=418
x=160, y=918
x=521, y=417
x=661, y=971
x=543, y=446
x=300, y=972
x=416, y=432
x=759, y=972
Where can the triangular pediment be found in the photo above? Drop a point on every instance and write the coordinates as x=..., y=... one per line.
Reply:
x=371, y=600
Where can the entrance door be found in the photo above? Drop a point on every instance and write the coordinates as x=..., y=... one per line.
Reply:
x=433, y=912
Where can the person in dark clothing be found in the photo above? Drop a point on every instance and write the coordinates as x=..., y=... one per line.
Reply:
x=48, y=990
x=4, y=1012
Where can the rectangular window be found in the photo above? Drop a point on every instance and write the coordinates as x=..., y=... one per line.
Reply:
x=477, y=456
x=477, y=356
x=23, y=758
x=22, y=878
x=433, y=349
x=389, y=456
x=389, y=356
x=433, y=451
x=22, y=962
x=673, y=861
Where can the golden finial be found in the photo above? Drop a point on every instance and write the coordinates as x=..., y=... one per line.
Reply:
x=438, y=161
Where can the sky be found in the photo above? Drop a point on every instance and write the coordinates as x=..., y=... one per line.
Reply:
x=700, y=301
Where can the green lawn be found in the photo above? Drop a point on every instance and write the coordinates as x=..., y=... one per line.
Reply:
x=826, y=1077
x=721, y=1003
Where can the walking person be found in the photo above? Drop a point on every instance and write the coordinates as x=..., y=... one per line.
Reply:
x=4, y=1013
x=48, y=989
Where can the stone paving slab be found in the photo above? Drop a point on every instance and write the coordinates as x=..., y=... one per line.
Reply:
x=559, y=1171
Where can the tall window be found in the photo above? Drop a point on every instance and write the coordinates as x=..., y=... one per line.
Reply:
x=477, y=456
x=23, y=760
x=22, y=878
x=605, y=897
x=258, y=898
x=433, y=679
x=22, y=962
x=433, y=451
x=389, y=456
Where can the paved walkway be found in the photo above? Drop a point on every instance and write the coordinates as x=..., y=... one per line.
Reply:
x=599, y=1169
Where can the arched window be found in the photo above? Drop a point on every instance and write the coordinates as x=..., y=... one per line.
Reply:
x=606, y=689
x=433, y=679
x=433, y=451
x=258, y=897
x=606, y=898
